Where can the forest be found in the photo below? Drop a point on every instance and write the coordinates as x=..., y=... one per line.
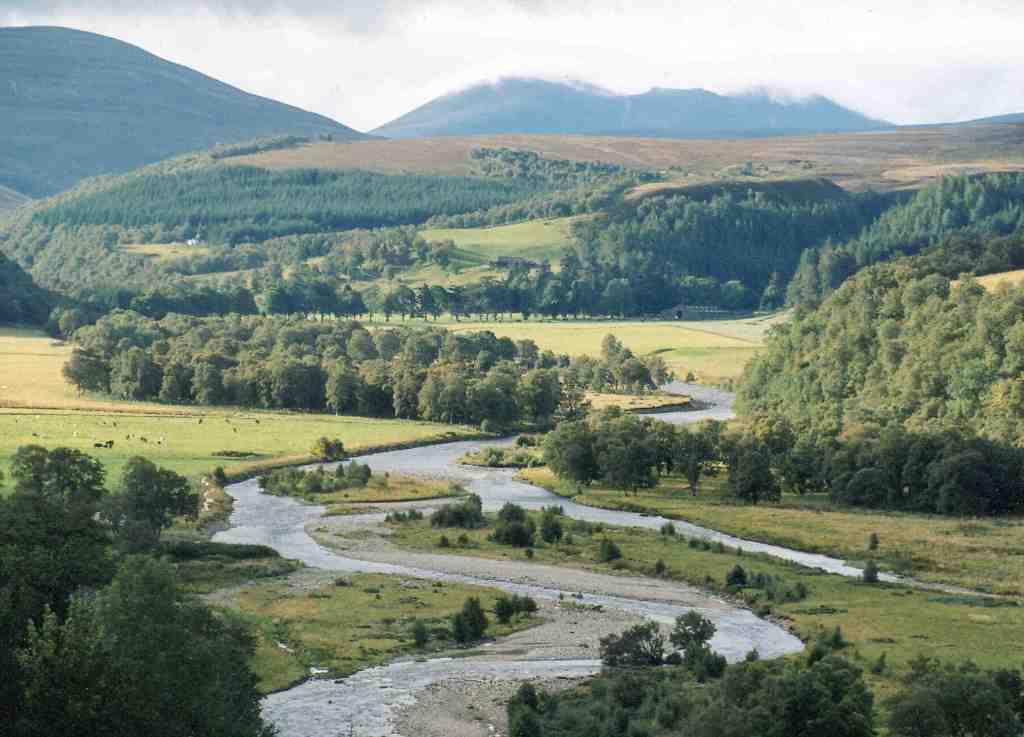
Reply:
x=990, y=204
x=21, y=301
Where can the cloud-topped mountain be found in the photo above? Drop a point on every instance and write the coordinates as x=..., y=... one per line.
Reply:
x=538, y=106
x=76, y=104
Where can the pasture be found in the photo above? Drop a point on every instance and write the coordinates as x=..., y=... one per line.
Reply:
x=163, y=252
x=1011, y=278
x=37, y=406
x=715, y=351
x=537, y=240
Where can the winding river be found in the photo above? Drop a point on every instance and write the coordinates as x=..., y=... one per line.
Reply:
x=368, y=701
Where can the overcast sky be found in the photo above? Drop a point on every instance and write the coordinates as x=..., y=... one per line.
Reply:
x=364, y=63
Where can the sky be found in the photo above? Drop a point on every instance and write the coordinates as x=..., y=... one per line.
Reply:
x=365, y=63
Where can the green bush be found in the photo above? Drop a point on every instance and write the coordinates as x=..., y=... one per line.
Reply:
x=608, y=551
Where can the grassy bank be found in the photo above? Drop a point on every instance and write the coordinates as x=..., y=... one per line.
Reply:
x=983, y=554
x=354, y=623
x=877, y=620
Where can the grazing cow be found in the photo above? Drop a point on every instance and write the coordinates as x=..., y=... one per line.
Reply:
x=109, y=444
x=98, y=445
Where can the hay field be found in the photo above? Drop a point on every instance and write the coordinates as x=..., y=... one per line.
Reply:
x=1010, y=278
x=535, y=239
x=162, y=252
x=895, y=159
x=714, y=350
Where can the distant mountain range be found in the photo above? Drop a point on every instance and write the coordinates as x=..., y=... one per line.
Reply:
x=521, y=105
x=75, y=104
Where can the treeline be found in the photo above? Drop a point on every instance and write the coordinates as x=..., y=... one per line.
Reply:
x=648, y=251
x=297, y=364
x=989, y=204
x=95, y=636
x=237, y=204
x=21, y=301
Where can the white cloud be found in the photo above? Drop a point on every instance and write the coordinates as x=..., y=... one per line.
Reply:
x=365, y=63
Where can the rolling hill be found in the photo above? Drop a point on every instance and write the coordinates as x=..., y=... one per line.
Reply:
x=538, y=106
x=75, y=104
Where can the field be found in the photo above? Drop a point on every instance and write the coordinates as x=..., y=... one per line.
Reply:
x=634, y=403
x=345, y=628
x=163, y=252
x=885, y=160
x=536, y=240
x=1012, y=278
x=38, y=406
x=898, y=622
x=715, y=351
x=983, y=554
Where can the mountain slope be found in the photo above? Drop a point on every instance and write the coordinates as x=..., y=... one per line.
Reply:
x=9, y=199
x=537, y=106
x=75, y=104
x=21, y=301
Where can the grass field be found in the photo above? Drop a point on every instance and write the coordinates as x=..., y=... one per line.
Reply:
x=537, y=240
x=38, y=406
x=876, y=619
x=634, y=403
x=983, y=554
x=714, y=350
x=163, y=252
x=343, y=629
x=879, y=160
x=1012, y=278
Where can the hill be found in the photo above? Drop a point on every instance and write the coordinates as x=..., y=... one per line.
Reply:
x=9, y=199
x=906, y=158
x=538, y=106
x=75, y=104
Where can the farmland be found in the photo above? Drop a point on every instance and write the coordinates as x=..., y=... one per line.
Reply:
x=39, y=407
x=536, y=239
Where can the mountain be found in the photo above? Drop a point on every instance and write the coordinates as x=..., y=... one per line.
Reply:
x=1011, y=119
x=21, y=301
x=9, y=199
x=76, y=104
x=538, y=106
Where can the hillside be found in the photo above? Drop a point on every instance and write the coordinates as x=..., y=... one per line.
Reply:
x=538, y=106
x=21, y=301
x=906, y=158
x=9, y=199
x=75, y=104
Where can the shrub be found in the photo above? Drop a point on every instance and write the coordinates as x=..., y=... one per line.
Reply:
x=873, y=541
x=879, y=667
x=870, y=572
x=467, y=514
x=668, y=529
x=327, y=449
x=736, y=578
x=507, y=607
x=608, y=551
x=471, y=623
x=516, y=534
x=512, y=513
x=444, y=542
x=550, y=527
x=640, y=645
x=463, y=540
x=659, y=568
x=420, y=635
x=219, y=477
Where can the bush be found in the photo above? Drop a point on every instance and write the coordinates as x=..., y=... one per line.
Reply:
x=467, y=514
x=873, y=541
x=516, y=534
x=444, y=542
x=471, y=623
x=659, y=568
x=736, y=578
x=870, y=572
x=608, y=551
x=420, y=635
x=219, y=477
x=463, y=540
x=668, y=529
x=640, y=645
x=327, y=449
x=550, y=527
x=507, y=607
x=512, y=513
